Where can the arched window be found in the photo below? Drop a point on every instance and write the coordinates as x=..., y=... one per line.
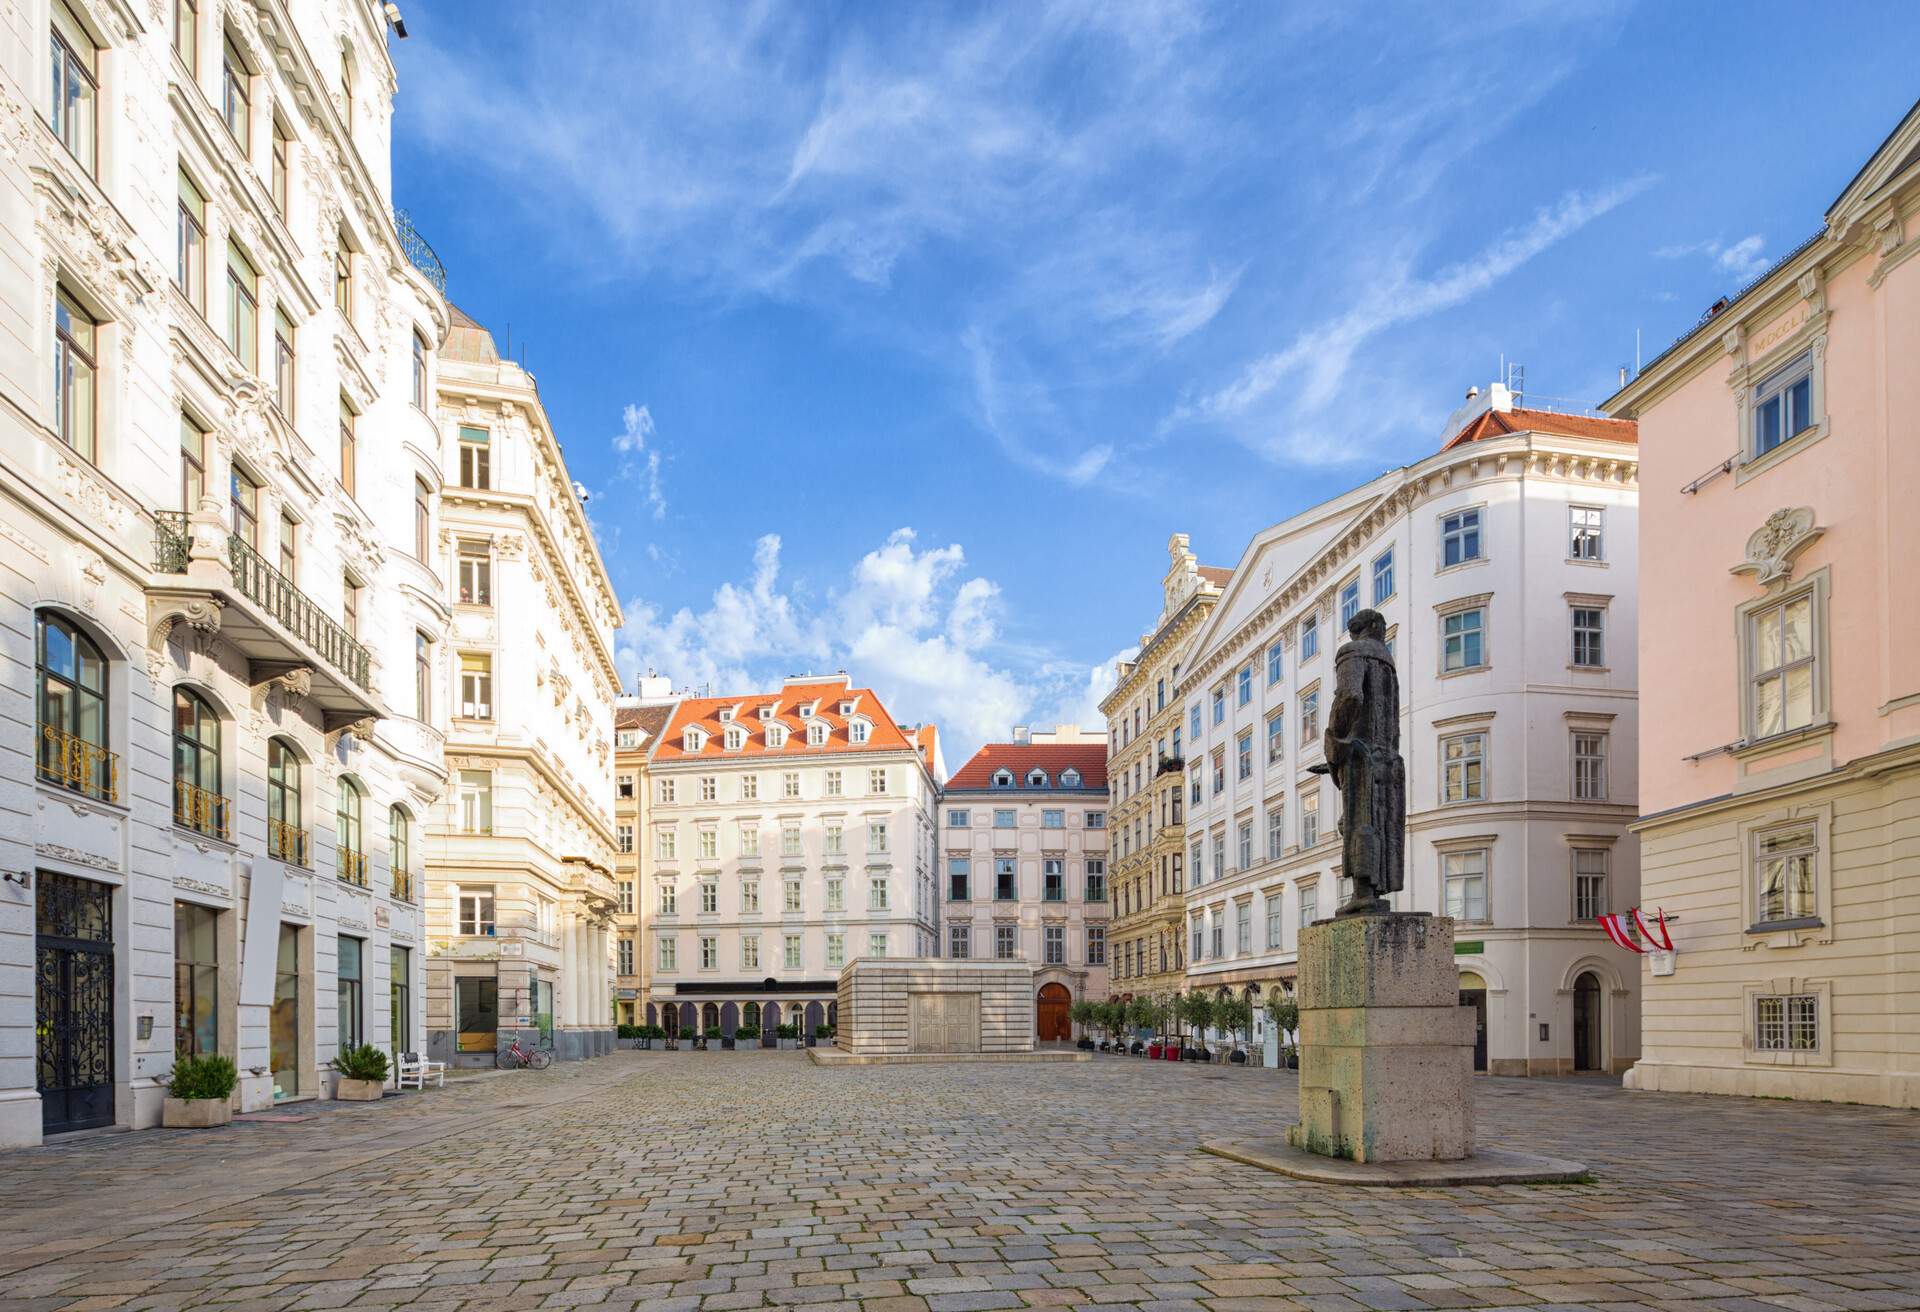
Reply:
x=350, y=851
x=400, y=845
x=286, y=839
x=197, y=803
x=750, y=1016
x=72, y=686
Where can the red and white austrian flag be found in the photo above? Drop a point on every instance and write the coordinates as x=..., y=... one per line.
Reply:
x=1616, y=927
x=1656, y=933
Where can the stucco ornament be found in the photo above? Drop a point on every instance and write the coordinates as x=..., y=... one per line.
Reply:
x=1773, y=546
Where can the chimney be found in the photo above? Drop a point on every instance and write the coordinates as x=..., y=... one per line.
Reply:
x=1021, y=735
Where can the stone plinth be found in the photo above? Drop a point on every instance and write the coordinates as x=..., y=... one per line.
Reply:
x=898, y=1005
x=1386, y=1064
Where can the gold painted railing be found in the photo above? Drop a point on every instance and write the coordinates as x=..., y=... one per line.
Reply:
x=403, y=885
x=286, y=842
x=201, y=810
x=72, y=762
x=352, y=866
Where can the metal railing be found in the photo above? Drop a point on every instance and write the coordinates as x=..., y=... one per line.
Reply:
x=351, y=866
x=286, y=842
x=268, y=588
x=172, y=541
x=201, y=810
x=72, y=762
x=403, y=885
x=418, y=253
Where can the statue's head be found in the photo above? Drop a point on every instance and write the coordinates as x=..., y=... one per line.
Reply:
x=1368, y=624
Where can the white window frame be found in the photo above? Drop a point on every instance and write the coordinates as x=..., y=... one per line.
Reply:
x=1460, y=530
x=1472, y=746
x=1587, y=534
x=1589, y=768
x=1814, y=593
x=1455, y=864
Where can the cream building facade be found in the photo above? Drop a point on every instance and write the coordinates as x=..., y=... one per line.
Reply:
x=1505, y=566
x=1146, y=785
x=638, y=721
x=216, y=368
x=792, y=832
x=1023, y=847
x=1780, y=760
x=521, y=901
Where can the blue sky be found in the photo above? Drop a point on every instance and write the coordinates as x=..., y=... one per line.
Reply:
x=898, y=338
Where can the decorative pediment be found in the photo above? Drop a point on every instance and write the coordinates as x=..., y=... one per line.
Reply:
x=1773, y=546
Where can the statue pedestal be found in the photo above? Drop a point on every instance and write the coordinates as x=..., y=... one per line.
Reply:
x=1386, y=1059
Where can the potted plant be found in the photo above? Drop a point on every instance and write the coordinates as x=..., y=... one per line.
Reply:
x=200, y=1093
x=1197, y=1009
x=1081, y=1014
x=789, y=1037
x=746, y=1037
x=363, y=1074
x=822, y=1033
x=1235, y=1016
x=1285, y=1014
x=713, y=1037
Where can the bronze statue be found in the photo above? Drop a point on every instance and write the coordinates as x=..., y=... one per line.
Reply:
x=1362, y=743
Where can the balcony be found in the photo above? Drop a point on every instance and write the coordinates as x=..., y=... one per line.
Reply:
x=286, y=842
x=70, y=761
x=215, y=582
x=202, y=811
x=403, y=886
x=351, y=866
x=1170, y=765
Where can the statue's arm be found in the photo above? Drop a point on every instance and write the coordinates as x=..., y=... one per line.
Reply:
x=1346, y=700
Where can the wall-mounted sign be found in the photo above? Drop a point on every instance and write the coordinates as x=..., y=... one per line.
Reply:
x=1473, y=947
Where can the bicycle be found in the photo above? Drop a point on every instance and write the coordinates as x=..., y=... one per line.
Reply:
x=514, y=1057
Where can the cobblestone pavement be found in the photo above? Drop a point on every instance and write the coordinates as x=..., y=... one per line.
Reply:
x=742, y=1180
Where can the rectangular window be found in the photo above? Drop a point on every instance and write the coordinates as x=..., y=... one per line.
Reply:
x=1005, y=879
x=750, y=896
x=1096, y=819
x=1096, y=945
x=1784, y=666
x=186, y=34
x=1466, y=876
x=666, y=791
x=1310, y=716
x=1219, y=945
x=1219, y=856
x=876, y=945
x=419, y=372
x=1276, y=661
x=1096, y=874
x=1589, y=883
x=190, y=246
x=1383, y=576
x=836, y=840
x=1783, y=405
x=624, y=963
x=1053, y=880
x=1006, y=942
x=280, y=175
x=1051, y=819
x=749, y=840
x=476, y=801
x=790, y=903
x=1586, y=533
x=1196, y=729
x=877, y=836
x=1460, y=538
x=75, y=363
x=1590, y=767
x=1276, y=832
x=1349, y=602
x=243, y=308
x=1243, y=686
x=349, y=455
x=1055, y=940
x=422, y=519
x=960, y=942
x=877, y=782
x=879, y=894
x=1463, y=760
x=289, y=548
x=1309, y=903
x=476, y=912
x=1786, y=1022
x=1310, y=817
x=476, y=685
x=343, y=275
x=709, y=843
x=709, y=952
x=1463, y=639
x=236, y=102
x=709, y=788
x=1588, y=627
x=1784, y=867
x=1199, y=863
x=350, y=992
x=790, y=784
x=196, y=980
x=790, y=841
x=73, y=105
x=476, y=458
x=667, y=841
x=959, y=879
x=833, y=783
x=475, y=574
x=665, y=953
x=626, y=902
x=750, y=952
x=1219, y=705
x=1003, y=819
x=1243, y=928
x=749, y=787
x=959, y=819
x=1243, y=755
x=1309, y=637
x=1274, y=920
x=1199, y=947
x=836, y=894
x=623, y=838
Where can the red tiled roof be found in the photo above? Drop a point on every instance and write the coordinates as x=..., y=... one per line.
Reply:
x=927, y=739
x=1215, y=574
x=649, y=719
x=1501, y=423
x=704, y=713
x=1090, y=759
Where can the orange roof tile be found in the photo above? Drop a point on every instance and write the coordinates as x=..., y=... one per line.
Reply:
x=1501, y=423
x=1217, y=575
x=1090, y=759
x=649, y=719
x=704, y=713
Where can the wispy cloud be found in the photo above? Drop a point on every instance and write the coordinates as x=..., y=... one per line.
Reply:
x=1742, y=260
x=639, y=456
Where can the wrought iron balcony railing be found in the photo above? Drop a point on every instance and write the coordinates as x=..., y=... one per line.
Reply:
x=403, y=885
x=418, y=253
x=351, y=866
x=72, y=762
x=269, y=589
x=201, y=810
x=286, y=842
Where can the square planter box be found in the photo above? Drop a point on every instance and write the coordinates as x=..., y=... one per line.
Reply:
x=195, y=1113
x=360, y=1091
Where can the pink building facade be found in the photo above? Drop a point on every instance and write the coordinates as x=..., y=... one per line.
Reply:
x=1780, y=649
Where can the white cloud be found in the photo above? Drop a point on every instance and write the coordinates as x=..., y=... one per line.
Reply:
x=1743, y=260
x=639, y=457
x=904, y=622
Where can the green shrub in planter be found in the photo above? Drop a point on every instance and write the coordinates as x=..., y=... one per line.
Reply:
x=747, y=1033
x=365, y=1062
x=788, y=1032
x=211, y=1076
x=628, y=1032
x=823, y=1031
x=713, y=1031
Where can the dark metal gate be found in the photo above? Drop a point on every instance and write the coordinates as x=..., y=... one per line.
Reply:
x=74, y=989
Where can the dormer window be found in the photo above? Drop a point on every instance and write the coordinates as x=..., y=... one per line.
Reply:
x=694, y=740
x=846, y=708
x=858, y=730
x=1069, y=778
x=736, y=737
x=766, y=712
x=1037, y=778
x=816, y=734
x=1003, y=778
x=726, y=715
x=777, y=735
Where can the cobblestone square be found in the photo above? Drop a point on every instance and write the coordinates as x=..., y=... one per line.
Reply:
x=745, y=1180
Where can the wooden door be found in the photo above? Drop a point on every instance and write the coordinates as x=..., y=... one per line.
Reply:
x=1054, y=1025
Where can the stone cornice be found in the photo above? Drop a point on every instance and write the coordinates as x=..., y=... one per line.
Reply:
x=1529, y=455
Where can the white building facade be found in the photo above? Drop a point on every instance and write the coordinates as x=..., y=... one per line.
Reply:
x=1023, y=850
x=1505, y=567
x=218, y=351
x=792, y=833
x=521, y=901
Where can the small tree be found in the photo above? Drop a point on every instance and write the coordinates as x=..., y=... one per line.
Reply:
x=1197, y=1006
x=1284, y=1012
x=1081, y=1014
x=1234, y=1015
x=1113, y=1018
